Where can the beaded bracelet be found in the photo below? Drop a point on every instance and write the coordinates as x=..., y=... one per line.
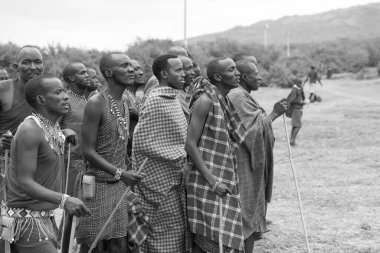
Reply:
x=215, y=185
x=63, y=200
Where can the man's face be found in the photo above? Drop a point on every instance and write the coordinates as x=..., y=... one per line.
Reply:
x=175, y=74
x=230, y=76
x=3, y=75
x=188, y=70
x=94, y=82
x=139, y=74
x=252, y=78
x=29, y=63
x=122, y=71
x=82, y=78
x=56, y=99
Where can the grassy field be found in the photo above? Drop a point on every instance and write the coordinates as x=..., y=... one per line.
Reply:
x=337, y=160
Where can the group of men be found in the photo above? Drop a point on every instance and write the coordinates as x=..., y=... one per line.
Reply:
x=150, y=168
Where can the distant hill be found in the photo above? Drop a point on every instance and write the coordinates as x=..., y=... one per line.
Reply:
x=358, y=22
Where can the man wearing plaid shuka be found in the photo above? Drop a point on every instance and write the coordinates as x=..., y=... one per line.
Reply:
x=160, y=136
x=255, y=156
x=214, y=135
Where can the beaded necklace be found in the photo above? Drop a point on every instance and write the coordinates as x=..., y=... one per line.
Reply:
x=76, y=95
x=53, y=134
x=122, y=122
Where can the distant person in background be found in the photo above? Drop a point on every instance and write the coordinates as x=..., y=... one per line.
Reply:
x=313, y=78
x=78, y=80
x=244, y=56
x=197, y=70
x=139, y=79
x=189, y=77
x=296, y=102
x=92, y=89
x=329, y=72
x=255, y=155
x=3, y=74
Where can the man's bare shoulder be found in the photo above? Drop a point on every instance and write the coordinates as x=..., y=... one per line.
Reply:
x=203, y=104
x=29, y=133
x=6, y=85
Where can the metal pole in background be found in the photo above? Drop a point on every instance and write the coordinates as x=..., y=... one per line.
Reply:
x=265, y=36
x=185, y=25
x=288, y=45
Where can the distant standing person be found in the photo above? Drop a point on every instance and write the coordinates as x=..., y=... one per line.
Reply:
x=313, y=78
x=296, y=102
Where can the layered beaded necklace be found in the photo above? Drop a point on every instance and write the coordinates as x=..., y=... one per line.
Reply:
x=53, y=134
x=76, y=95
x=122, y=122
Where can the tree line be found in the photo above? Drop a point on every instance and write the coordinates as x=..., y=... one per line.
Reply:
x=275, y=67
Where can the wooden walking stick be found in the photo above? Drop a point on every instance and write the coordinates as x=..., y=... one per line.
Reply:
x=7, y=245
x=72, y=233
x=221, y=226
x=114, y=211
x=63, y=220
x=296, y=183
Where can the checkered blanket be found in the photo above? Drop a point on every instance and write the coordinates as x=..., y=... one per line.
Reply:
x=160, y=136
x=255, y=161
x=220, y=139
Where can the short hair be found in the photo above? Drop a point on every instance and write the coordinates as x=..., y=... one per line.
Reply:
x=105, y=62
x=214, y=68
x=69, y=70
x=34, y=87
x=176, y=50
x=26, y=46
x=161, y=63
x=243, y=66
x=243, y=56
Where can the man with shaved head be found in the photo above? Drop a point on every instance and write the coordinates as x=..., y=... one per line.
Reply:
x=255, y=156
x=244, y=56
x=76, y=76
x=214, y=135
x=13, y=106
x=105, y=134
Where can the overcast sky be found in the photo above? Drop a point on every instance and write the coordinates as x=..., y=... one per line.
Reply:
x=113, y=24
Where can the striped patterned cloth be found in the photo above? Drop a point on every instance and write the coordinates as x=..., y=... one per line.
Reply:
x=220, y=139
x=255, y=161
x=160, y=136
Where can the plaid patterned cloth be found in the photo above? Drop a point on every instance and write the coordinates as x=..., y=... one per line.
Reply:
x=255, y=161
x=129, y=218
x=160, y=136
x=220, y=139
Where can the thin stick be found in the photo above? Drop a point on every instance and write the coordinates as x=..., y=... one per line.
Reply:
x=296, y=183
x=221, y=227
x=114, y=211
x=72, y=234
x=63, y=221
x=7, y=245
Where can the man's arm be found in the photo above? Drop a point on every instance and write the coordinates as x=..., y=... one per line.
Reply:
x=92, y=119
x=28, y=141
x=198, y=119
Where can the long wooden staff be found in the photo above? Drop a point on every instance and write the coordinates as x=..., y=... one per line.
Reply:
x=221, y=225
x=6, y=156
x=72, y=233
x=114, y=211
x=296, y=183
x=63, y=221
